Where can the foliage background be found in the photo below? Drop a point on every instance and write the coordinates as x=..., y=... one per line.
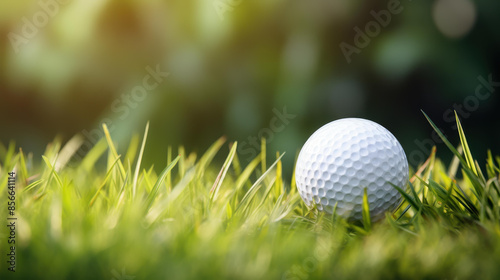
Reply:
x=229, y=69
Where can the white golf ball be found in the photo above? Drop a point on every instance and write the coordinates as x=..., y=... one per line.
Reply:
x=344, y=157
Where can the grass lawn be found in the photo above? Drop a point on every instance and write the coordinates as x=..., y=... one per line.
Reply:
x=202, y=220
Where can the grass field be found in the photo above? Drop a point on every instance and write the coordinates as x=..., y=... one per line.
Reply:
x=202, y=220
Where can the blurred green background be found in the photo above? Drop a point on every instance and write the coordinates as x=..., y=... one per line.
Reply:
x=67, y=66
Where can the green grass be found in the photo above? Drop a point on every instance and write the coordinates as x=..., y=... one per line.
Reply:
x=200, y=220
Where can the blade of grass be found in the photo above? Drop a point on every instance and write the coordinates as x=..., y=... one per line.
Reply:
x=168, y=180
x=229, y=210
x=465, y=146
x=90, y=159
x=445, y=140
x=181, y=166
x=113, y=149
x=222, y=174
x=53, y=171
x=68, y=151
x=414, y=202
x=133, y=146
x=293, y=183
x=236, y=165
x=265, y=196
x=278, y=189
x=245, y=175
x=255, y=187
x=263, y=154
x=22, y=163
x=421, y=169
x=404, y=212
x=152, y=195
x=146, y=175
x=139, y=160
x=106, y=178
x=455, y=163
x=476, y=184
x=209, y=155
x=33, y=185
x=367, y=222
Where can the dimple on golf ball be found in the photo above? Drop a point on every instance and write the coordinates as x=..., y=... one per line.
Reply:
x=344, y=157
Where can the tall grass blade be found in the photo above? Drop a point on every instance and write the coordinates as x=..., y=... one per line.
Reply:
x=263, y=154
x=139, y=160
x=445, y=140
x=465, y=146
x=68, y=151
x=206, y=159
x=133, y=147
x=106, y=178
x=90, y=159
x=222, y=174
x=113, y=150
x=255, y=187
x=53, y=171
x=367, y=221
x=413, y=201
x=152, y=195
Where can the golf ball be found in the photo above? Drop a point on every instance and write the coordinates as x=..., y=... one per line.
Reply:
x=344, y=157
